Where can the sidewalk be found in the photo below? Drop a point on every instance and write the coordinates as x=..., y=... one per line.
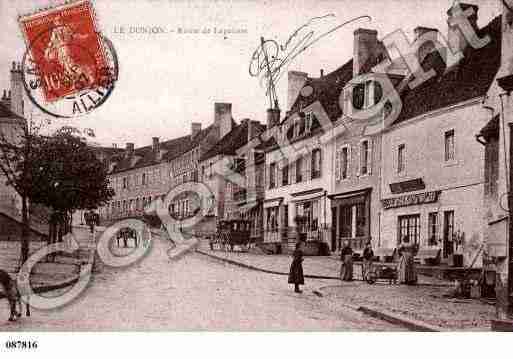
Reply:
x=425, y=303
x=47, y=275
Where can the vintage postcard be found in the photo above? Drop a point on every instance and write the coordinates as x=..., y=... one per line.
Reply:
x=223, y=165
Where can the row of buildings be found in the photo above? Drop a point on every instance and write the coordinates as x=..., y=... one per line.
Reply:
x=436, y=172
x=326, y=174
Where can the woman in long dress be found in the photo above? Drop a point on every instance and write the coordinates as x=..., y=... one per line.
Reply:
x=346, y=256
x=296, y=269
x=406, y=270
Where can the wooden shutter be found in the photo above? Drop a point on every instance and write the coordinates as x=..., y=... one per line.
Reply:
x=358, y=158
x=369, y=157
x=307, y=169
x=292, y=172
x=337, y=164
x=349, y=160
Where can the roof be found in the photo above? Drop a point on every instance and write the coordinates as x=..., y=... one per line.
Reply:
x=5, y=112
x=326, y=90
x=147, y=157
x=470, y=78
x=233, y=140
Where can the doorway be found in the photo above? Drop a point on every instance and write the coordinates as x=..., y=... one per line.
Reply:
x=448, y=236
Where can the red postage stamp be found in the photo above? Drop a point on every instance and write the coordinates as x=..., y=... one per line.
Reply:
x=65, y=49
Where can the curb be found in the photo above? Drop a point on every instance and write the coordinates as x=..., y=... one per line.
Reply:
x=387, y=316
x=398, y=319
x=258, y=269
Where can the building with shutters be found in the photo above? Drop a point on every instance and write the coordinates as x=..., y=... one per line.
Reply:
x=236, y=176
x=141, y=175
x=432, y=167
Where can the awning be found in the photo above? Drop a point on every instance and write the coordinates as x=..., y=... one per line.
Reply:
x=248, y=206
x=274, y=202
x=349, y=198
x=308, y=197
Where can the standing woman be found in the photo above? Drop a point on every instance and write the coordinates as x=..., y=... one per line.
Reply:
x=346, y=256
x=407, y=273
x=296, y=269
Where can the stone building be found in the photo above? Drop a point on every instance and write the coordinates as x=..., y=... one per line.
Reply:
x=432, y=167
x=140, y=175
x=236, y=176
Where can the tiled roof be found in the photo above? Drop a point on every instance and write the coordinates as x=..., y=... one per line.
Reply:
x=327, y=90
x=147, y=157
x=470, y=78
x=233, y=140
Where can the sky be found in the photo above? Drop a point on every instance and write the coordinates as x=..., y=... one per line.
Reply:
x=168, y=80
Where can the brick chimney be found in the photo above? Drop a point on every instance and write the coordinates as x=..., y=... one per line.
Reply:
x=6, y=99
x=253, y=129
x=295, y=82
x=455, y=15
x=429, y=39
x=273, y=117
x=507, y=42
x=129, y=152
x=365, y=50
x=223, y=118
x=195, y=129
x=155, y=144
x=17, y=104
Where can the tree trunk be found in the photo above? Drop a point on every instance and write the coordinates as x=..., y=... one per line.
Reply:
x=25, y=233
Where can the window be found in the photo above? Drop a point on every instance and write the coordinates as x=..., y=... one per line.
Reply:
x=309, y=121
x=359, y=96
x=344, y=163
x=272, y=175
x=409, y=227
x=272, y=219
x=316, y=163
x=285, y=173
x=449, y=145
x=400, y=158
x=299, y=169
x=433, y=229
x=125, y=183
x=144, y=179
x=364, y=157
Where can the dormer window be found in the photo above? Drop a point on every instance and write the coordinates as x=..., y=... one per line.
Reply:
x=365, y=95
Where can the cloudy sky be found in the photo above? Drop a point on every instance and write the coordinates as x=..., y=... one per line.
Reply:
x=168, y=80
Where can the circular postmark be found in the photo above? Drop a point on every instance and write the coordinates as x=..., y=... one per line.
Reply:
x=68, y=79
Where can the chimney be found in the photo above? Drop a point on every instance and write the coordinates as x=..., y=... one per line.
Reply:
x=273, y=117
x=17, y=105
x=455, y=16
x=427, y=44
x=6, y=99
x=295, y=82
x=506, y=42
x=129, y=149
x=253, y=129
x=114, y=145
x=195, y=129
x=322, y=73
x=365, y=50
x=155, y=144
x=223, y=118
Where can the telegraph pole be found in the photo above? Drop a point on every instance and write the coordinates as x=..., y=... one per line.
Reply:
x=504, y=286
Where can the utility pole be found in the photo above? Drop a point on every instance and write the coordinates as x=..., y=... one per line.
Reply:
x=504, y=286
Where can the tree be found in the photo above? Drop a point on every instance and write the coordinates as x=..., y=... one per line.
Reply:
x=19, y=140
x=69, y=178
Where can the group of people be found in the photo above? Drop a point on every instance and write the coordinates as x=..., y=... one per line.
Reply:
x=406, y=273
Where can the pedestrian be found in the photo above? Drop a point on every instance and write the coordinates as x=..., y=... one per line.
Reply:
x=346, y=256
x=368, y=256
x=406, y=269
x=296, y=268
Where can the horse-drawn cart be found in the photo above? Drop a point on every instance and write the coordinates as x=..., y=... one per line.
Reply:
x=231, y=233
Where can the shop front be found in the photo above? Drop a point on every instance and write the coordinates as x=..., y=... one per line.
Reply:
x=351, y=218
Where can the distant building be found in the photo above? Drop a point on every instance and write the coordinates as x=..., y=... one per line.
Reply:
x=237, y=176
x=141, y=175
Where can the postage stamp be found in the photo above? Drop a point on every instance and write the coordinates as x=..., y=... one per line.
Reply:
x=69, y=67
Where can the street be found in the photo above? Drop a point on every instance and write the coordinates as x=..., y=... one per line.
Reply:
x=195, y=293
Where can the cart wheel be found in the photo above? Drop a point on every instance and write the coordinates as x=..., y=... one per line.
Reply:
x=371, y=278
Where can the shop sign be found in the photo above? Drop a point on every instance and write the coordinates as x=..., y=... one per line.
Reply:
x=411, y=199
